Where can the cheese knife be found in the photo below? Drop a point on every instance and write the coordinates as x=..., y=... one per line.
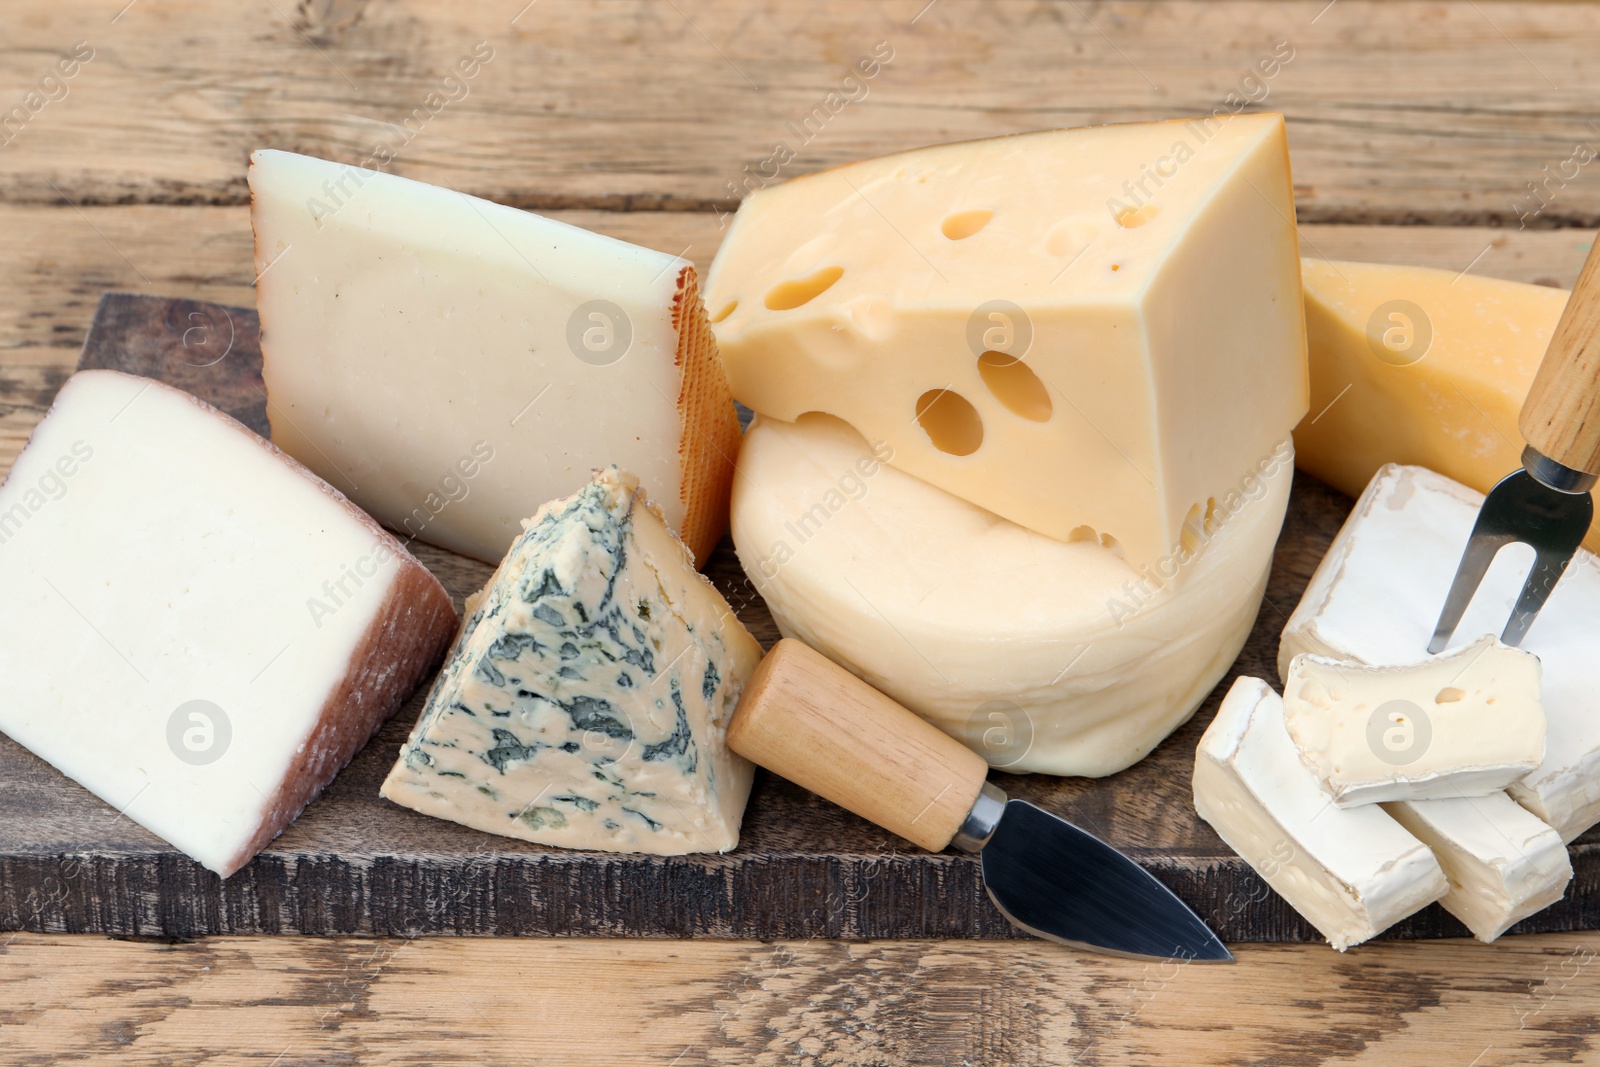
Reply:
x=1546, y=504
x=811, y=721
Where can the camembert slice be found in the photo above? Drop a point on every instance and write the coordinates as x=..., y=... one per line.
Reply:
x=1352, y=872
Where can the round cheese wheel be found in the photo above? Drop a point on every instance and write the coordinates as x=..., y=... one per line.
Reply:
x=1042, y=655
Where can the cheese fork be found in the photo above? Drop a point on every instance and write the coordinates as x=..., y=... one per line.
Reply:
x=1546, y=504
x=811, y=721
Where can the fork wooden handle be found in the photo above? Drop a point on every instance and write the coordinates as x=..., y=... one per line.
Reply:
x=1561, y=416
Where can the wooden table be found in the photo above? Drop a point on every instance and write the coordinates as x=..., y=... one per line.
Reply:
x=1415, y=127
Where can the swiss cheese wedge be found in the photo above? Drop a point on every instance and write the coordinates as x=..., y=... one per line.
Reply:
x=1089, y=332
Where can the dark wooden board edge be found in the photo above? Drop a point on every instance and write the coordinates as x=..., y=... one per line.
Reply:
x=804, y=869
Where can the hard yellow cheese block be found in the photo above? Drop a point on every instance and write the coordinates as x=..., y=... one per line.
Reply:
x=1422, y=367
x=1089, y=332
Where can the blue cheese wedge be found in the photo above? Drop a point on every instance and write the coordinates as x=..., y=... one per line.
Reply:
x=1352, y=872
x=587, y=698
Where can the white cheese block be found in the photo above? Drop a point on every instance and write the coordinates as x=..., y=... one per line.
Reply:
x=587, y=699
x=1352, y=872
x=1090, y=328
x=1042, y=655
x=1465, y=723
x=1503, y=862
x=1377, y=594
x=452, y=364
x=197, y=629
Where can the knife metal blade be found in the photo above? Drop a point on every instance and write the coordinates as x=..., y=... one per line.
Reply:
x=1061, y=883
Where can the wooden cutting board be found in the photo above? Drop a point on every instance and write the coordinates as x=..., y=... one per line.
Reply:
x=356, y=864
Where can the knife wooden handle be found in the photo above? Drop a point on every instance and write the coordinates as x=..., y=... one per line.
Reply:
x=1561, y=416
x=804, y=717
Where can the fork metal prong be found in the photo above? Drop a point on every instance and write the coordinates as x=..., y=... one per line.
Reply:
x=1547, y=570
x=1481, y=549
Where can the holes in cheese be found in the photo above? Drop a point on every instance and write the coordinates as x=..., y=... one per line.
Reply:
x=786, y=296
x=950, y=421
x=1014, y=384
x=964, y=224
x=727, y=309
x=1069, y=237
x=1131, y=218
x=1088, y=660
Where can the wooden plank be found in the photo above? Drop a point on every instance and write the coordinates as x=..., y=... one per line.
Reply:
x=355, y=864
x=1398, y=112
x=55, y=263
x=308, y=1002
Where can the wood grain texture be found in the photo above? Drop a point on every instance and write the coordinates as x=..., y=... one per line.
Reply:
x=1438, y=112
x=806, y=719
x=355, y=864
x=312, y=1002
x=1561, y=415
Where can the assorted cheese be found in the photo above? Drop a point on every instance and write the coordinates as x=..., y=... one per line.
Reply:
x=1376, y=595
x=1042, y=655
x=452, y=363
x=1503, y=863
x=1038, y=324
x=1419, y=366
x=1352, y=872
x=1020, y=461
x=587, y=698
x=1466, y=723
x=197, y=630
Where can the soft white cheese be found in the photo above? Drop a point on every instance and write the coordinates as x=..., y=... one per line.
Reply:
x=1466, y=723
x=1352, y=872
x=1377, y=594
x=1503, y=862
x=196, y=628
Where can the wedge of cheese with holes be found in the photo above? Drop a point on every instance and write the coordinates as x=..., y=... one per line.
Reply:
x=1419, y=366
x=1352, y=872
x=1503, y=863
x=587, y=699
x=197, y=630
x=452, y=364
x=1376, y=596
x=1088, y=330
x=1041, y=655
x=1462, y=724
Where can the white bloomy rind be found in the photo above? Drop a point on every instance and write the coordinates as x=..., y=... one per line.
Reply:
x=1465, y=723
x=1352, y=872
x=154, y=553
x=1503, y=862
x=1377, y=594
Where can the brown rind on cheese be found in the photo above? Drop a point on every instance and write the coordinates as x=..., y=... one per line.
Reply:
x=402, y=647
x=710, y=442
x=405, y=642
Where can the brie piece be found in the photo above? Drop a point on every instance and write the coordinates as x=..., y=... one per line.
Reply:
x=1352, y=872
x=1377, y=594
x=1503, y=862
x=1466, y=723
x=197, y=629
